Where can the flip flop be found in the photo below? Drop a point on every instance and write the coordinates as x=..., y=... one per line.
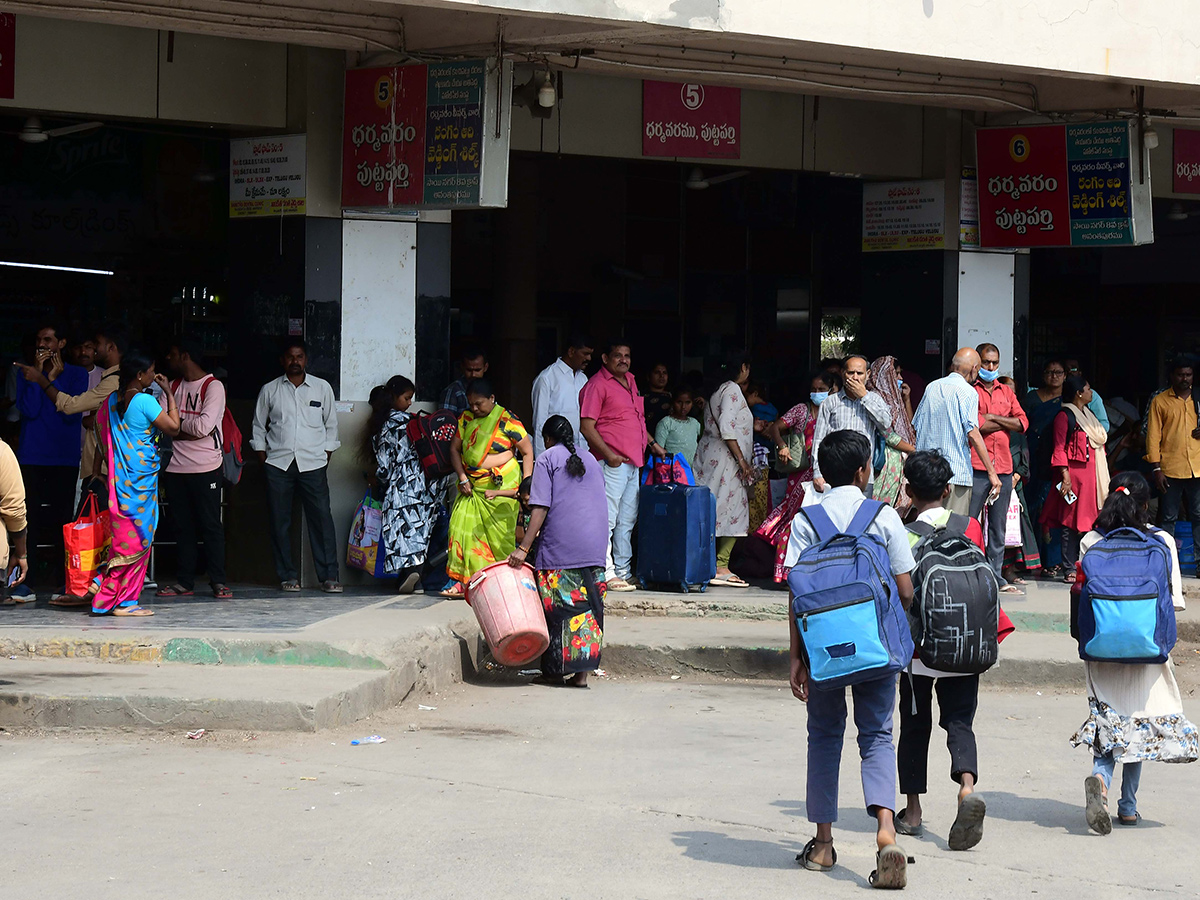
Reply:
x=1130, y=822
x=174, y=590
x=806, y=861
x=904, y=828
x=1011, y=589
x=292, y=586
x=409, y=584
x=967, y=830
x=221, y=592
x=132, y=611
x=453, y=593
x=891, y=869
x=1096, y=809
x=729, y=580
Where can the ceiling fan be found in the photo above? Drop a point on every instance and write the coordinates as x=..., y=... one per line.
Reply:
x=32, y=131
x=696, y=180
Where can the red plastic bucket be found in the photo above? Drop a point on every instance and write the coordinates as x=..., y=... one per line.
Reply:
x=509, y=611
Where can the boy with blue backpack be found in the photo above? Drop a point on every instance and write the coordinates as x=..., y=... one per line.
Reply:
x=849, y=562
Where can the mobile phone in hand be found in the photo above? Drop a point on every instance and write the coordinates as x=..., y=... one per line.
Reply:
x=14, y=575
x=1070, y=497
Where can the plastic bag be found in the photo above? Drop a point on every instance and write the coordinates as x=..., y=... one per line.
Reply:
x=86, y=542
x=365, y=550
x=669, y=470
x=1012, y=524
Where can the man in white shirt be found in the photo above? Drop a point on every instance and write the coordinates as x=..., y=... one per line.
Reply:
x=556, y=389
x=295, y=432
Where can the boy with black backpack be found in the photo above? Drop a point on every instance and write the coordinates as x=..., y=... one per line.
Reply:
x=957, y=626
x=850, y=563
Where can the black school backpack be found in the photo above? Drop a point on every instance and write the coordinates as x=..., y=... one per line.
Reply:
x=956, y=600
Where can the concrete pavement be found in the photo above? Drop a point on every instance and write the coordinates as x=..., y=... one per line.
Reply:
x=643, y=789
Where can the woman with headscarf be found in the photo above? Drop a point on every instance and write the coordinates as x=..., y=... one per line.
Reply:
x=1079, y=467
x=883, y=378
x=723, y=462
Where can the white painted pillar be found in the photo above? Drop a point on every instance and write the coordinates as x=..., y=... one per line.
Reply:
x=986, y=285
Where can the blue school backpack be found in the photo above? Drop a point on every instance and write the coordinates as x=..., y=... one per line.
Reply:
x=847, y=608
x=1126, y=614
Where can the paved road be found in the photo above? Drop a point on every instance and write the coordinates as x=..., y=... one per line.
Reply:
x=632, y=789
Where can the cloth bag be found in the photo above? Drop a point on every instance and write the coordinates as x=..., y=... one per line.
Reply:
x=86, y=542
x=366, y=536
x=669, y=470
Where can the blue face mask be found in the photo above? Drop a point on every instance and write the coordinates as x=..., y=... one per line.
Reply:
x=988, y=374
x=818, y=397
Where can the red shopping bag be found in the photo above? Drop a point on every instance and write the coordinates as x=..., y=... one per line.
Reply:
x=87, y=542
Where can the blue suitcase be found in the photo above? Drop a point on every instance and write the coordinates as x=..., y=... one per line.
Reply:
x=677, y=542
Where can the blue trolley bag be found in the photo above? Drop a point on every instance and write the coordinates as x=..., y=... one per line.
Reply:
x=677, y=542
x=1126, y=614
x=848, y=613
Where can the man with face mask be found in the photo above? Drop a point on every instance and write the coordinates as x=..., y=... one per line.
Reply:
x=1000, y=412
x=948, y=421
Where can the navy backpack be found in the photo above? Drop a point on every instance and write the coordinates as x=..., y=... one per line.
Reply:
x=1126, y=614
x=848, y=612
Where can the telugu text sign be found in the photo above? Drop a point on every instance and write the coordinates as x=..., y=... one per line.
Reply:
x=414, y=136
x=1057, y=185
x=904, y=215
x=691, y=120
x=8, y=55
x=1186, y=159
x=267, y=176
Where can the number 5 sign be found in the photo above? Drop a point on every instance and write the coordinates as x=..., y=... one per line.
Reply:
x=8, y=55
x=691, y=120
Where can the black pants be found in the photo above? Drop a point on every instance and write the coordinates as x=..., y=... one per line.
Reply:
x=957, y=700
x=49, y=500
x=1070, y=548
x=314, y=495
x=194, y=500
x=1179, y=492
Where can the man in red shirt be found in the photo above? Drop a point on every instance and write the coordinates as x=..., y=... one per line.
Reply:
x=999, y=414
x=612, y=418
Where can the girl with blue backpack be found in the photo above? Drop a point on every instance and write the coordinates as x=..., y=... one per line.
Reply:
x=1125, y=637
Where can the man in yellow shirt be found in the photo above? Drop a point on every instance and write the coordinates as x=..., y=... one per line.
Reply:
x=1173, y=449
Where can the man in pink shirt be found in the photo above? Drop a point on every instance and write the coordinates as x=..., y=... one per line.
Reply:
x=193, y=478
x=612, y=418
x=1000, y=414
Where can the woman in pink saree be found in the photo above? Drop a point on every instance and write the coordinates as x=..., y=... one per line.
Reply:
x=129, y=423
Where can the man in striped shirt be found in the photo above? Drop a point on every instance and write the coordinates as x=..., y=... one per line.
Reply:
x=948, y=421
x=854, y=408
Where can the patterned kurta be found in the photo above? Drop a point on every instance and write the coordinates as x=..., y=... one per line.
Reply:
x=726, y=418
x=409, y=502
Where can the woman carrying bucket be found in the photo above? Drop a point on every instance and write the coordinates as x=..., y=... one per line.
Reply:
x=570, y=517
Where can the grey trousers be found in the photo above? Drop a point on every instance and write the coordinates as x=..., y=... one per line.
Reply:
x=997, y=516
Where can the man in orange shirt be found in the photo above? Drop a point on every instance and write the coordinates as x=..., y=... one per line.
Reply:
x=1173, y=449
x=1000, y=412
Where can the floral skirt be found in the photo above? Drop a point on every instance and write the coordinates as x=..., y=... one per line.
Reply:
x=1131, y=739
x=574, y=603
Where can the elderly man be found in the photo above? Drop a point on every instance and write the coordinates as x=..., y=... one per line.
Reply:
x=1000, y=413
x=854, y=408
x=948, y=421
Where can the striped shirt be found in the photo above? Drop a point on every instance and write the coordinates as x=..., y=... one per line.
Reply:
x=868, y=416
x=949, y=411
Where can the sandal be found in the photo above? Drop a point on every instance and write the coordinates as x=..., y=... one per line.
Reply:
x=132, y=611
x=1069, y=578
x=904, y=828
x=967, y=830
x=332, y=587
x=891, y=869
x=455, y=592
x=1096, y=805
x=174, y=590
x=1011, y=589
x=221, y=592
x=291, y=586
x=806, y=861
x=1130, y=821
x=619, y=586
x=729, y=580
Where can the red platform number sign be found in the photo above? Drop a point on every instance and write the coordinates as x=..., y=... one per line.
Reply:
x=8, y=55
x=694, y=120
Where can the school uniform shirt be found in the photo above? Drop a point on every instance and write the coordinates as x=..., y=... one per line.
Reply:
x=200, y=412
x=296, y=423
x=840, y=504
x=556, y=393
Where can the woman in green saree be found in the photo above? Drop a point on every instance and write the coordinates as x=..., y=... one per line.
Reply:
x=484, y=454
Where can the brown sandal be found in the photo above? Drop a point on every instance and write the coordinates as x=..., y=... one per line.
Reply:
x=132, y=611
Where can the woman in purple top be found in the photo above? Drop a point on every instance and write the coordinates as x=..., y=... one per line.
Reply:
x=570, y=516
